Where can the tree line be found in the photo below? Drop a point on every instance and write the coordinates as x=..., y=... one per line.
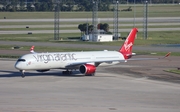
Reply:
x=67, y=5
x=86, y=28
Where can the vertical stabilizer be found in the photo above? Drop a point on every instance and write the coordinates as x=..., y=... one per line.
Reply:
x=126, y=48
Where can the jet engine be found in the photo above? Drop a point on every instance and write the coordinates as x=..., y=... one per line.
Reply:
x=43, y=70
x=87, y=69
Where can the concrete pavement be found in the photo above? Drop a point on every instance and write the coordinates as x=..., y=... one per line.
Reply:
x=106, y=92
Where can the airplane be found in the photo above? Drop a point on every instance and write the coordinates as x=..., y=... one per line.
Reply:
x=86, y=62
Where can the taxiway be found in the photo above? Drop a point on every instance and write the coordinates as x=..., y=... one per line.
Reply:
x=112, y=89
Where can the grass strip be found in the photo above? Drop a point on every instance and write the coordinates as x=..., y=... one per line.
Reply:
x=157, y=37
x=46, y=49
x=76, y=28
x=9, y=56
x=61, y=49
x=154, y=11
x=173, y=71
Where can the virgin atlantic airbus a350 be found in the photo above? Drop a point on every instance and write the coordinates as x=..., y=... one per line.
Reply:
x=85, y=62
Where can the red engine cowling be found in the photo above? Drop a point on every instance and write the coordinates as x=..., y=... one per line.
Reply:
x=87, y=69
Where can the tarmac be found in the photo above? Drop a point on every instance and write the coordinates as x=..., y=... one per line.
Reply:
x=126, y=87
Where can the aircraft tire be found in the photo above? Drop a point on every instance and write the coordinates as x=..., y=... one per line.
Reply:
x=67, y=72
x=22, y=76
x=22, y=73
x=93, y=74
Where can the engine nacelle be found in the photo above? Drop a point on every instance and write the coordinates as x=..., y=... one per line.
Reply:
x=87, y=69
x=43, y=70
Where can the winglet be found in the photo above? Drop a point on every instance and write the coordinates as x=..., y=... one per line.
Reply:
x=32, y=49
x=167, y=55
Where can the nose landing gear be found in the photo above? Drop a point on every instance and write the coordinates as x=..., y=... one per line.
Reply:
x=22, y=73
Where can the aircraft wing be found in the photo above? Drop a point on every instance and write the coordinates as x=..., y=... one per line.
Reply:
x=110, y=61
x=151, y=58
x=95, y=62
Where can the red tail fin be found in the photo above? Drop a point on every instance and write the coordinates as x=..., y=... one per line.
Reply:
x=126, y=48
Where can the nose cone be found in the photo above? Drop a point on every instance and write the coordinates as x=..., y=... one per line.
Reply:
x=18, y=66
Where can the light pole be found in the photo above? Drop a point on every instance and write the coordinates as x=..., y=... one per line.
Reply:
x=134, y=22
x=116, y=21
x=145, y=19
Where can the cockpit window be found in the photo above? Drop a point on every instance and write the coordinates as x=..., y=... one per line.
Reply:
x=23, y=60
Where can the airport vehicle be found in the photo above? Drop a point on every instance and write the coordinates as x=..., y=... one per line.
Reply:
x=86, y=62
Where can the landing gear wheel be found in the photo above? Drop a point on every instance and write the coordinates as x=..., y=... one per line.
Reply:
x=22, y=73
x=93, y=74
x=67, y=72
x=22, y=76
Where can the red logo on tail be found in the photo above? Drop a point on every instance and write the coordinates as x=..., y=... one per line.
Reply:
x=126, y=48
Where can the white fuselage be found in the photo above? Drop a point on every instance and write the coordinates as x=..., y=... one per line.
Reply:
x=58, y=60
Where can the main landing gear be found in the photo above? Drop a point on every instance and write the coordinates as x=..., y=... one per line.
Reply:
x=67, y=72
x=93, y=74
x=22, y=73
